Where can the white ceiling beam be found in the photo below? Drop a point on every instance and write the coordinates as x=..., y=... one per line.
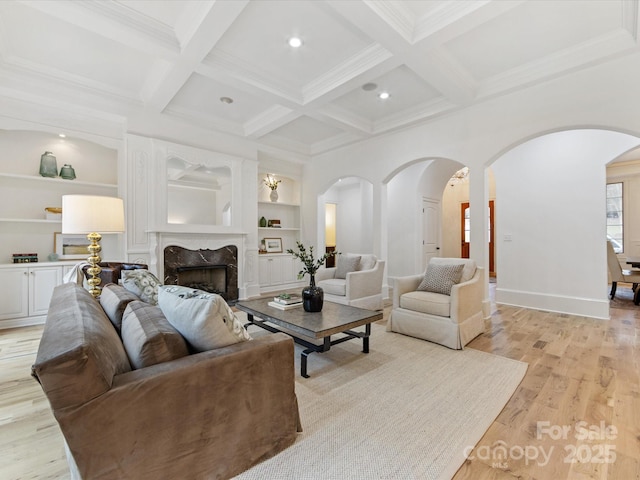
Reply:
x=391, y=32
x=342, y=119
x=269, y=120
x=202, y=37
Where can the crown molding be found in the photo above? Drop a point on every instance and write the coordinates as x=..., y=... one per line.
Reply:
x=289, y=145
x=248, y=74
x=342, y=118
x=269, y=120
x=203, y=120
x=115, y=21
x=25, y=71
x=334, y=142
x=580, y=56
x=120, y=13
x=414, y=114
x=396, y=15
x=443, y=15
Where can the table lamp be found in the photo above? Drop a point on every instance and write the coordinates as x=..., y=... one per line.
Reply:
x=94, y=216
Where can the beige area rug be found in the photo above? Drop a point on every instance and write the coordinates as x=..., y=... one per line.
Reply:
x=407, y=410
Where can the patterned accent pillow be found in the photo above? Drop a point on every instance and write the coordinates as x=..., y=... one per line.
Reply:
x=204, y=319
x=347, y=262
x=440, y=278
x=143, y=283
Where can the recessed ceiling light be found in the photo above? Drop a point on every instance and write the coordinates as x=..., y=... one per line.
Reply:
x=226, y=100
x=295, y=42
x=61, y=135
x=384, y=95
x=367, y=87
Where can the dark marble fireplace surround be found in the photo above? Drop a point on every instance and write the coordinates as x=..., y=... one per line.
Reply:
x=197, y=268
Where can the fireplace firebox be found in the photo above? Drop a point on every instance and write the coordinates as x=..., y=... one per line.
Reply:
x=214, y=271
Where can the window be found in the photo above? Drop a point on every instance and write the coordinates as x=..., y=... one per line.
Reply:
x=614, y=216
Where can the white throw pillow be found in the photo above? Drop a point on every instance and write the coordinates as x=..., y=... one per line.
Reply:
x=204, y=319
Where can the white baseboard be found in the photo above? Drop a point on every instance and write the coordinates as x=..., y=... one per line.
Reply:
x=586, y=307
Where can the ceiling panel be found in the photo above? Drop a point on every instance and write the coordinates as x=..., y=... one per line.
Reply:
x=532, y=31
x=258, y=40
x=202, y=95
x=405, y=87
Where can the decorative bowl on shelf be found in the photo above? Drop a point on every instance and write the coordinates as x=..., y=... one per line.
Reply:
x=53, y=213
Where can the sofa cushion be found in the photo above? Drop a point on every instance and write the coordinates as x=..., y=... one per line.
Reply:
x=334, y=286
x=80, y=351
x=368, y=261
x=440, y=278
x=114, y=299
x=468, y=271
x=347, y=262
x=148, y=337
x=204, y=319
x=142, y=283
x=427, y=302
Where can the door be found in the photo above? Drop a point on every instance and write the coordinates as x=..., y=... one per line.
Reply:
x=465, y=234
x=430, y=229
x=42, y=281
x=14, y=294
x=465, y=227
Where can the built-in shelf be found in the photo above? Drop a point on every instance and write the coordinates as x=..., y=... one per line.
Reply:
x=282, y=229
x=279, y=204
x=56, y=181
x=28, y=220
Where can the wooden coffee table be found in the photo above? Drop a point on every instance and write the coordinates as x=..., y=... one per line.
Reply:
x=305, y=327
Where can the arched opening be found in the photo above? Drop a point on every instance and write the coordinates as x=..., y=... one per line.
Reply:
x=551, y=225
x=350, y=199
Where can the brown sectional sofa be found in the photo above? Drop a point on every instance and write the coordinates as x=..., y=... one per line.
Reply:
x=208, y=415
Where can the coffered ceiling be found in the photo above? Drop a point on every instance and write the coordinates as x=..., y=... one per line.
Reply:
x=177, y=59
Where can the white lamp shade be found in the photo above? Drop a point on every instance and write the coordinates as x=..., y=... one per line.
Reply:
x=92, y=214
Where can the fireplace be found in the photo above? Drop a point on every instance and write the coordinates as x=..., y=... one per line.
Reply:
x=214, y=271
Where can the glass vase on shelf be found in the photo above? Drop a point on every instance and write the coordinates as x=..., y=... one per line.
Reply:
x=48, y=165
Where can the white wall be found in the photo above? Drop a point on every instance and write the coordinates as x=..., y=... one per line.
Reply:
x=551, y=226
x=354, y=216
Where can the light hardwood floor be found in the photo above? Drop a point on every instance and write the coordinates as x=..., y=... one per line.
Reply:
x=583, y=374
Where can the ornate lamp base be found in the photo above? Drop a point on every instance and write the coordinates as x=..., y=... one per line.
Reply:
x=95, y=269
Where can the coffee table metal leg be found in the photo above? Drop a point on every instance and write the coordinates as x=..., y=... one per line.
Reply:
x=365, y=339
x=326, y=346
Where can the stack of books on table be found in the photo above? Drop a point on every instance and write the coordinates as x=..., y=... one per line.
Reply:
x=286, y=301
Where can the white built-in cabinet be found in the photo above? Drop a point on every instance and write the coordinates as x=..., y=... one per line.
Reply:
x=278, y=269
x=26, y=291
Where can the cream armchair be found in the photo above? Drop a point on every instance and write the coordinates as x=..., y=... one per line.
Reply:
x=361, y=285
x=450, y=320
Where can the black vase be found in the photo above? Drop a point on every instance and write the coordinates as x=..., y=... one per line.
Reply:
x=312, y=297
